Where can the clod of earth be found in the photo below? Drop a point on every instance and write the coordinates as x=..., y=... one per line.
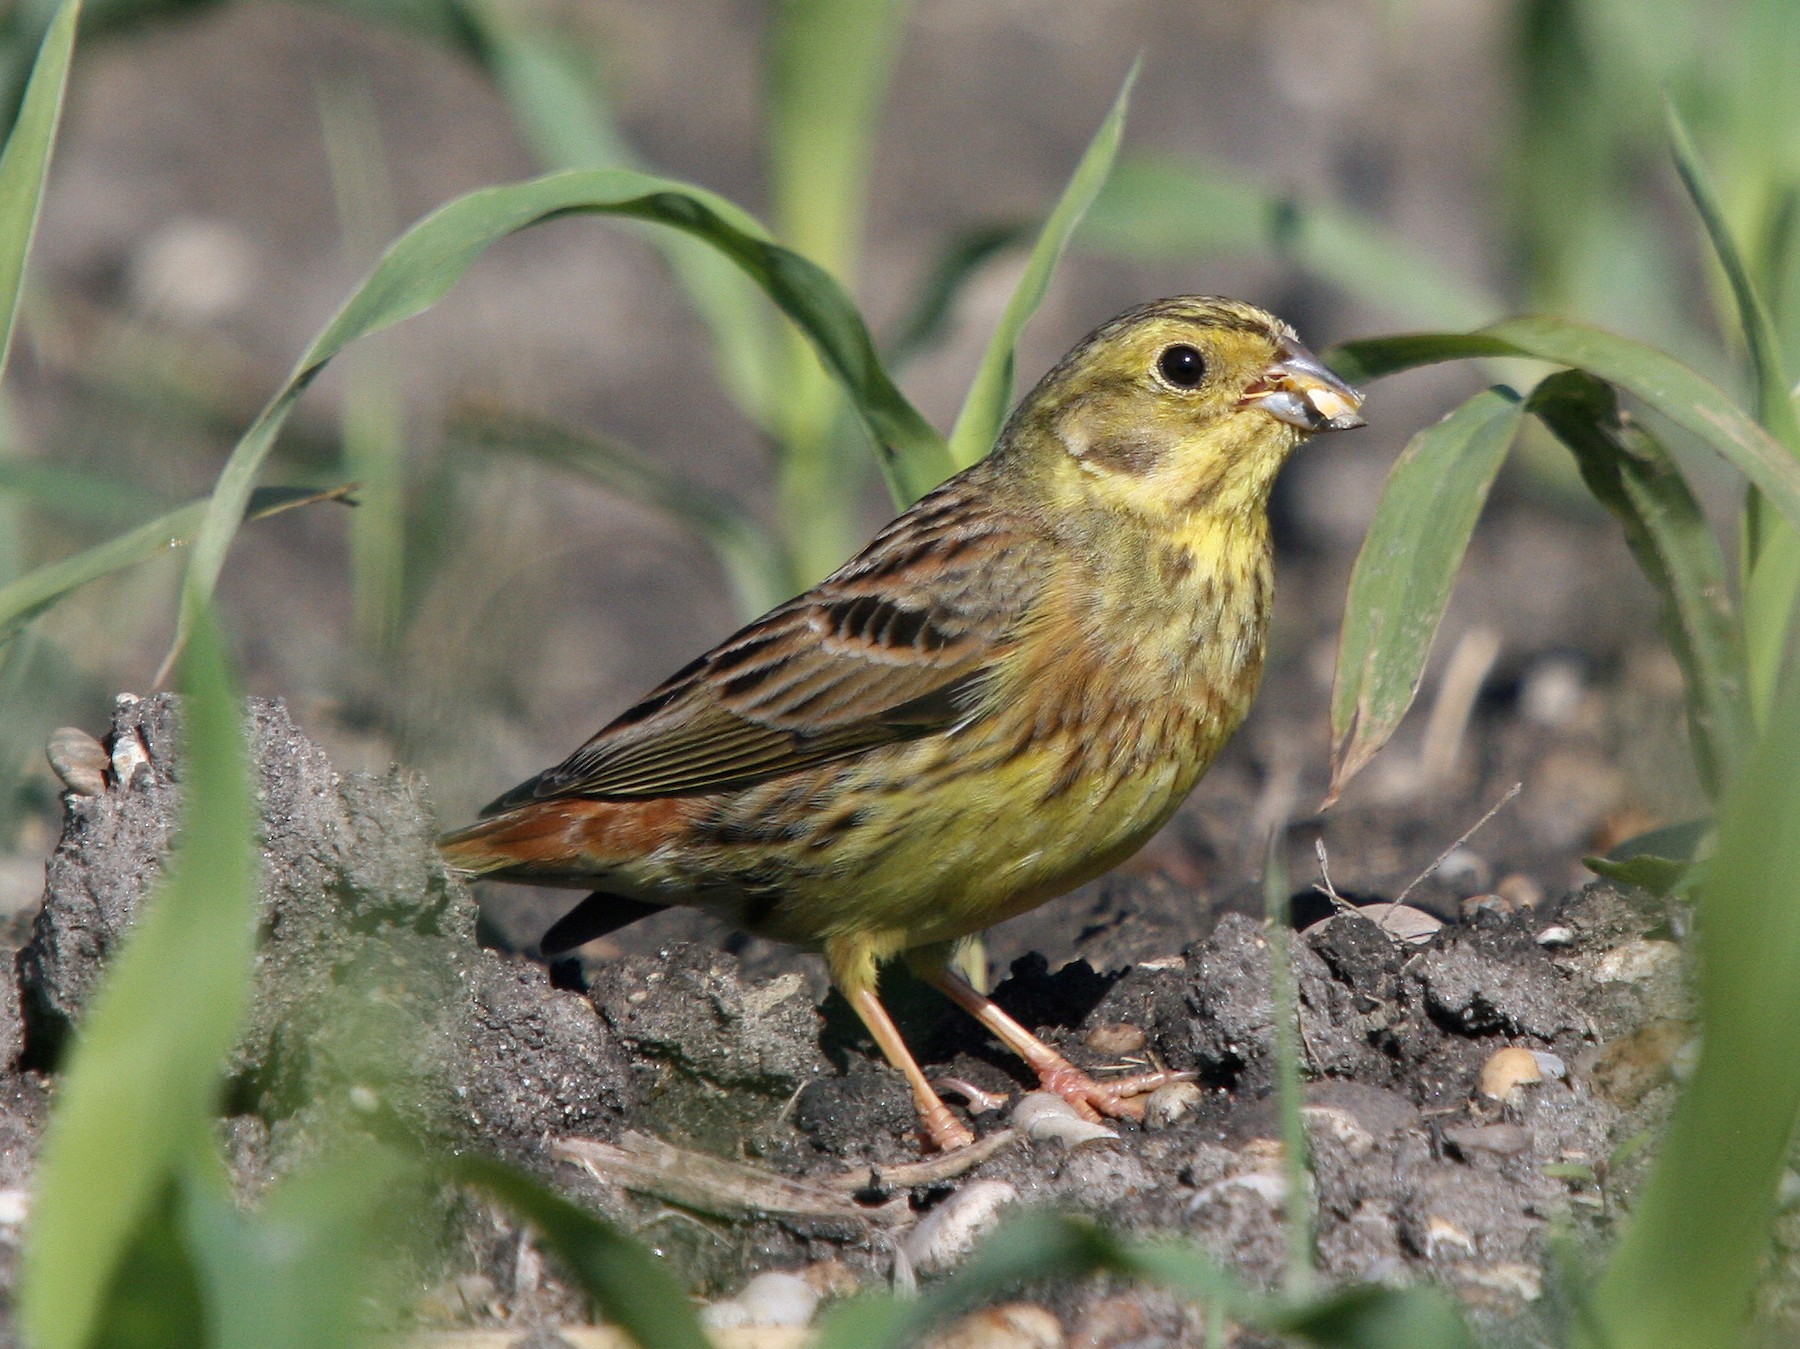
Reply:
x=674, y=1083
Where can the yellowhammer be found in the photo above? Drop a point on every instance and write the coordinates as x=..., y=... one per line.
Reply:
x=1006, y=693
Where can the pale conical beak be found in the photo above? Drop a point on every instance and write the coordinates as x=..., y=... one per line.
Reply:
x=1299, y=390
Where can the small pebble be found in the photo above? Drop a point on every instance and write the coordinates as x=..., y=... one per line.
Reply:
x=950, y=1230
x=1045, y=1117
x=1506, y=1071
x=1550, y=694
x=1626, y=1069
x=1116, y=1038
x=1522, y=1281
x=128, y=753
x=1465, y=870
x=1476, y=905
x=1520, y=890
x=1402, y=922
x=1556, y=935
x=1442, y=1235
x=1497, y=1140
x=15, y=1207
x=774, y=1298
x=1169, y=1102
x=1012, y=1325
x=78, y=759
x=1637, y=961
x=1551, y=1065
x=1327, y=1123
x=1787, y=1194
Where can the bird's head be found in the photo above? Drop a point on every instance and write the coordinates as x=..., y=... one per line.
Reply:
x=1191, y=403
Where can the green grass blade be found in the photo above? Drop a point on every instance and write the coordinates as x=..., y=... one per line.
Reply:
x=73, y=493
x=1661, y=382
x=1771, y=547
x=749, y=557
x=1160, y=206
x=1402, y=578
x=373, y=411
x=629, y=1284
x=25, y=163
x=1638, y=482
x=829, y=65
x=1774, y=404
x=984, y=409
x=426, y=261
x=311, y=1265
x=36, y=591
x=1685, y=1271
x=139, y=1092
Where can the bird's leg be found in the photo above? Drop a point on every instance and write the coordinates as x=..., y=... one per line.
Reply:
x=854, y=974
x=1117, y=1097
x=944, y=1129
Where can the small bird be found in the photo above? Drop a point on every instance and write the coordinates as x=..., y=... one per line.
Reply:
x=1006, y=693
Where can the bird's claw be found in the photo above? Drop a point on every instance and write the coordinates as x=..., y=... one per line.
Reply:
x=1115, y=1098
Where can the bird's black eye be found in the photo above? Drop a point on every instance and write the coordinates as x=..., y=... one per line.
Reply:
x=1182, y=366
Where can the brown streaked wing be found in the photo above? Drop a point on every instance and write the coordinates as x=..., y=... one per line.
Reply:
x=896, y=644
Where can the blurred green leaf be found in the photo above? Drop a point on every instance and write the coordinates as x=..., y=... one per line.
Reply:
x=1056, y=1250
x=138, y=1094
x=1636, y=479
x=1661, y=382
x=991, y=393
x=629, y=1285
x=1181, y=206
x=1404, y=573
x=1771, y=546
x=423, y=264
x=25, y=163
x=1774, y=405
x=373, y=410
x=1685, y=1271
x=1372, y=1317
x=34, y=592
x=827, y=65
x=744, y=550
x=72, y=492
x=299, y=1270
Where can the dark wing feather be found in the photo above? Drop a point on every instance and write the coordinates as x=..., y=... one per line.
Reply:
x=898, y=643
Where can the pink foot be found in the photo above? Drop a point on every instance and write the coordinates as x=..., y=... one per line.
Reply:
x=1116, y=1097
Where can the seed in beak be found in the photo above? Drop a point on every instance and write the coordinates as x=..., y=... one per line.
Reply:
x=1298, y=389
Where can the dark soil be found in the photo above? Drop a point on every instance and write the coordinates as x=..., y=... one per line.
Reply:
x=1418, y=1172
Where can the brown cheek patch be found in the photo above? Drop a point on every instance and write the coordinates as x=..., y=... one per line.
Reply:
x=1134, y=456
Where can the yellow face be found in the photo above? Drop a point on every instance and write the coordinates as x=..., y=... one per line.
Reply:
x=1185, y=405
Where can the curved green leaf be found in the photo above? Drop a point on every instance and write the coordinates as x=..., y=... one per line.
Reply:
x=139, y=1093
x=26, y=598
x=990, y=395
x=26, y=163
x=426, y=261
x=628, y=1283
x=1661, y=382
x=1636, y=479
x=1403, y=576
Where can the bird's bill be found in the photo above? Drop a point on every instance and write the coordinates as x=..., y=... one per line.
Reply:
x=1299, y=390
